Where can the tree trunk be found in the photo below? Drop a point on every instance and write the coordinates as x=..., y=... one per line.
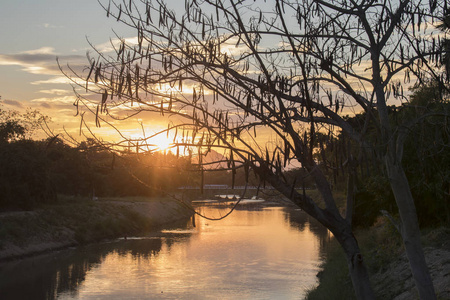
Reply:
x=410, y=230
x=356, y=267
x=341, y=229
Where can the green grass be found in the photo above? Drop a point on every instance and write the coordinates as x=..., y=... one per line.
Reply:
x=339, y=197
x=334, y=279
x=380, y=245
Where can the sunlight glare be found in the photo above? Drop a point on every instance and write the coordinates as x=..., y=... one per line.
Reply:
x=161, y=142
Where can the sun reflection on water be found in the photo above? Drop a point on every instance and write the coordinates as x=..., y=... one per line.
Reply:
x=252, y=254
x=257, y=251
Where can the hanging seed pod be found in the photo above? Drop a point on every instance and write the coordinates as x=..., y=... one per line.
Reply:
x=97, y=121
x=120, y=12
x=286, y=153
x=104, y=98
x=97, y=72
x=89, y=75
x=129, y=85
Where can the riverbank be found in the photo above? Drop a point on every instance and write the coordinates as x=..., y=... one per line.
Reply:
x=387, y=265
x=73, y=222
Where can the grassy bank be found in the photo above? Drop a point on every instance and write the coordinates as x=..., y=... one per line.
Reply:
x=387, y=265
x=74, y=221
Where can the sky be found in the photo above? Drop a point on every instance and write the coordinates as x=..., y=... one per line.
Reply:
x=34, y=33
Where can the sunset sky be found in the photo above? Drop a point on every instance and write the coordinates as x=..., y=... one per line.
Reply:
x=34, y=34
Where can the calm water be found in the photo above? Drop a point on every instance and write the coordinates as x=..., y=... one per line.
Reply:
x=258, y=253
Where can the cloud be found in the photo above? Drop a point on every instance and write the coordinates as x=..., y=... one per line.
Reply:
x=42, y=61
x=15, y=103
x=57, y=92
x=115, y=43
x=59, y=109
x=45, y=105
x=48, y=25
x=53, y=80
x=42, y=50
x=66, y=100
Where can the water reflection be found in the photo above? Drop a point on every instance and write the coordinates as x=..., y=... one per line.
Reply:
x=303, y=221
x=46, y=276
x=252, y=254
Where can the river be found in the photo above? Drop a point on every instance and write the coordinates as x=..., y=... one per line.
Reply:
x=257, y=252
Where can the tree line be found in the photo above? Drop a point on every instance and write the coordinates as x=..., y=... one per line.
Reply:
x=425, y=160
x=34, y=172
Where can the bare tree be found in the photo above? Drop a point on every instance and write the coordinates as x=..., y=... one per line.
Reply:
x=264, y=80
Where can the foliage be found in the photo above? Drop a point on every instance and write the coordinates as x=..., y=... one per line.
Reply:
x=90, y=170
x=15, y=125
x=24, y=177
x=33, y=172
x=425, y=154
x=372, y=197
x=10, y=130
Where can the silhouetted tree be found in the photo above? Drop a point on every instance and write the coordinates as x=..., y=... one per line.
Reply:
x=24, y=177
x=265, y=81
x=15, y=125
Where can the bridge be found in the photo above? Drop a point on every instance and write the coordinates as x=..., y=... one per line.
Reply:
x=211, y=190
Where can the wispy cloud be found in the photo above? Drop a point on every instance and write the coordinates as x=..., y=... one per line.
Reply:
x=42, y=50
x=57, y=92
x=40, y=61
x=55, y=100
x=115, y=43
x=53, y=80
x=14, y=103
x=51, y=26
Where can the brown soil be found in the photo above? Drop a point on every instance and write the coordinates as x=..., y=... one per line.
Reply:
x=396, y=282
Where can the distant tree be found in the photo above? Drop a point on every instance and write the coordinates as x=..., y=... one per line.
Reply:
x=10, y=127
x=445, y=47
x=15, y=125
x=233, y=73
x=24, y=177
x=11, y=130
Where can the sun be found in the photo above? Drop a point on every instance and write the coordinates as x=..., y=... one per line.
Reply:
x=161, y=142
